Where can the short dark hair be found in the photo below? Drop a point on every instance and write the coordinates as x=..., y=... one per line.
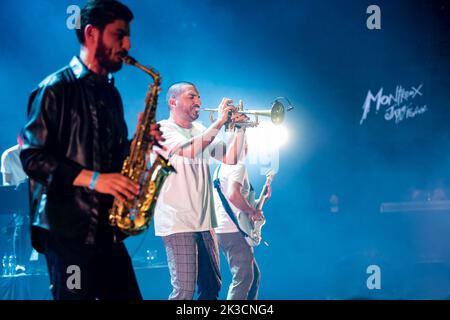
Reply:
x=176, y=89
x=99, y=13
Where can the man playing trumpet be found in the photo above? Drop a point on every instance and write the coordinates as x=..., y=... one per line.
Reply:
x=184, y=214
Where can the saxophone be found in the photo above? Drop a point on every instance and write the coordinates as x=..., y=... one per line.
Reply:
x=134, y=216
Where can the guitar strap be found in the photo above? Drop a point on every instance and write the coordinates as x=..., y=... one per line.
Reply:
x=225, y=203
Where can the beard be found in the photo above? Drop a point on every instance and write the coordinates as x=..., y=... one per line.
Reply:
x=104, y=57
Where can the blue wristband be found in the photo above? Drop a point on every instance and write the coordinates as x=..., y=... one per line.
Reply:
x=94, y=180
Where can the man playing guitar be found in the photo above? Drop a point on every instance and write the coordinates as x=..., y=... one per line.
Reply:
x=233, y=195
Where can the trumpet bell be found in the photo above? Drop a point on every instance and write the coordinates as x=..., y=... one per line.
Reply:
x=277, y=112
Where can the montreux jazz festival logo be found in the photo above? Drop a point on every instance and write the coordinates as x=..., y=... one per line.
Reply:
x=397, y=106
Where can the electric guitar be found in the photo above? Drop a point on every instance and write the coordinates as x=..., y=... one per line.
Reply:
x=250, y=227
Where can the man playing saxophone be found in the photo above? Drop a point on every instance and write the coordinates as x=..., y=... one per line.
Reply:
x=184, y=213
x=75, y=141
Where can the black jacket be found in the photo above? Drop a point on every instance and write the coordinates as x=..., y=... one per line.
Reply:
x=61, y=137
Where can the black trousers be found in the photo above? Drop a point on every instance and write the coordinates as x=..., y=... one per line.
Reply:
x=89, y=272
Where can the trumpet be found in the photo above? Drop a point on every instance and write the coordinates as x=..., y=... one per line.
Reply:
x=276, y=113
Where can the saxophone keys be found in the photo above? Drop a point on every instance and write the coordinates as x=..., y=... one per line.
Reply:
x=151, y=189
x=124, y=223
x=139, y=221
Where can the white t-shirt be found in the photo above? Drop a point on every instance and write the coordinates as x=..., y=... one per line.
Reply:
x=11, y=165
x=228, y=174
x=185, y=203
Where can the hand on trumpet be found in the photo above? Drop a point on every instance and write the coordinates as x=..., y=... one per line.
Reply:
x=229, y=113
x=237, y=117
x=225, y=111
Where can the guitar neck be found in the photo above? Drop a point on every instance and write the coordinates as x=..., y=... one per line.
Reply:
x=262, y=197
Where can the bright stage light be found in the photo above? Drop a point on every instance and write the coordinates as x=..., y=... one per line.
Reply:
x=268, y=136
x=265, y=145
x=282, y=134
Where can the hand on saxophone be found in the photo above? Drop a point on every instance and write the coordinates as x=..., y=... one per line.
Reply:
x=114, y=184
x=155, y=133
x=117, y=185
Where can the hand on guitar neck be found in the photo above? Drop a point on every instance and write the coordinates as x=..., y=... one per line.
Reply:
x=256, y=215
x=266, y=192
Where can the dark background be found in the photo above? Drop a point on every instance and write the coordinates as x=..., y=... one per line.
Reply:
x=324, y=59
